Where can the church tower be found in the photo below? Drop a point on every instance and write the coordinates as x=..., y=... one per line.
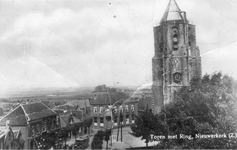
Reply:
x=177, y=58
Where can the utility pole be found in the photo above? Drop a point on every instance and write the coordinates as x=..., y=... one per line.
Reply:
x=112, y=119
x=111, y=137
x=118, y=125
x=121, y=129
x=121, y=126
x=167, y=128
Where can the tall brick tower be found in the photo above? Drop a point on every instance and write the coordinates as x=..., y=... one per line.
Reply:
x=177, y=58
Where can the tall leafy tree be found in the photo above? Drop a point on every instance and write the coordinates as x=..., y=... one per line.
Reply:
x=97, y=142
x=144, y=126
x=207, y=106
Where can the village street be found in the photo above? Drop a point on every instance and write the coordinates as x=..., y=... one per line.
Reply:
x=128, y=141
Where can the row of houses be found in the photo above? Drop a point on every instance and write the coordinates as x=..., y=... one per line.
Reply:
x=109, y=106
x=35, y=121
x=29, y=124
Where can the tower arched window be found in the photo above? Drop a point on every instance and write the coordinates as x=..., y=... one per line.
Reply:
x=189, y=40
x=175, y=38
x=175, y=29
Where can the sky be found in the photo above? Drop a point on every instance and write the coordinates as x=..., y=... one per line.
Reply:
x=70, y=43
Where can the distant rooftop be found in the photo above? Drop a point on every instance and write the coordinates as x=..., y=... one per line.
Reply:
x=25, y=113
x=109, y=98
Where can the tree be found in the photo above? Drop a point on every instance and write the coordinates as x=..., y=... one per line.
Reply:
x=62, y=134
x=97, y=142
x=207, y=106
x=1, y=111
x=107, y=135
x=144, y=126
x=88, y=123
x=46, y=140
x=75, y=130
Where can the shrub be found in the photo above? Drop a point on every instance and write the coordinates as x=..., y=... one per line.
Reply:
x=97, y=142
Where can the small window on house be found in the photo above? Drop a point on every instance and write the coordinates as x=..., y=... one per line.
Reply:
x=80, y=130
x=44, y=126
x=71, y=120
x=95, y=119
x=126, y=108
x=115, y=110
x=133, y=118
x=115, y=119
x=121, y=109
x=108, y=118
x=53, y=125
x=101, y=120
x=33, y=130
x=127, y=119
x=132, y=108
x=101, y=110
x=36, y=129
x=95, y=109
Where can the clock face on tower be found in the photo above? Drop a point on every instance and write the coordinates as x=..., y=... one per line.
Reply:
x=177, y=77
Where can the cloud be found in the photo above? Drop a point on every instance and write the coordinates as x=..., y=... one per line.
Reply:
x=221, y=59
x=31, y=73
x=98, y=42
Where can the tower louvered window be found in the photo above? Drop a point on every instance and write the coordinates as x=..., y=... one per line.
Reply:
x=175, y=38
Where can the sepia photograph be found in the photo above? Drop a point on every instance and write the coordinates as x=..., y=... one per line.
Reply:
x=118, y=74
